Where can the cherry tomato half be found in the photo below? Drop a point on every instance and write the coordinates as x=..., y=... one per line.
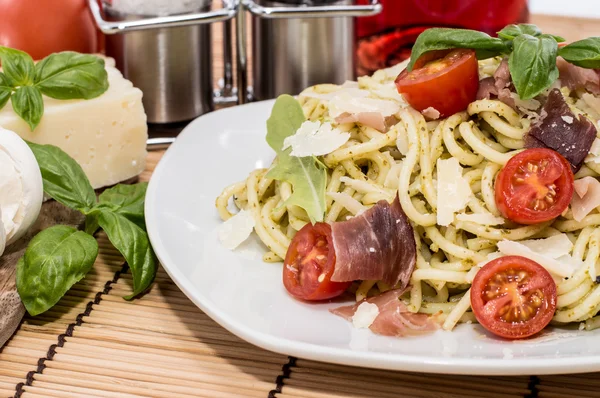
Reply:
x=42, y=27
x=444, y=80
x=534, y=186
x=513, y=297
x=309, y=264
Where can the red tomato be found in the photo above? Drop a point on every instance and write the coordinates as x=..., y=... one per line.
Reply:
x=513, y=297
x=42, y=27
x=534, y=186
x=445, y=80
x=309, y=264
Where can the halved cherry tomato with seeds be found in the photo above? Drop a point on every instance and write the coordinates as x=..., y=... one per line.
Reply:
x=445, y=80
x=513, y=297
x=536, y=185
x=309, y=264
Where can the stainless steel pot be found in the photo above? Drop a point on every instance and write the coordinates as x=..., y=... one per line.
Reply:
x=169, y=58
x=299, y=43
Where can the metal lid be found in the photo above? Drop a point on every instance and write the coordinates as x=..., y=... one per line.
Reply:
x=269, y=3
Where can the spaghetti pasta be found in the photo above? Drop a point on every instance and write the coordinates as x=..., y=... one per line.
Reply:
x=374, y=165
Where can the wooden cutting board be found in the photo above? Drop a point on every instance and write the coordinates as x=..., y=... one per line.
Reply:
x=11, y=308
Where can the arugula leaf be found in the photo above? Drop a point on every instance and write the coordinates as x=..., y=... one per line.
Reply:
x=64, y=179
x=134, y=245
x=71, y=75
x=532, y=64
x=27, y=102
x=307, y=176
x=5, y=90
x=432, y=39
x=18, y=67
x=56, y=259
x=584, y=53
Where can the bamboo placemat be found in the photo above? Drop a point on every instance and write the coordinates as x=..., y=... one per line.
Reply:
x=94, y=344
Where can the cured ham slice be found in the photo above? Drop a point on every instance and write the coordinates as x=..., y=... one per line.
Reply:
x=498, y=85
x=379, y=244
x=576, y=77
x=393, y=317
x=586, y=198
x=560, y=129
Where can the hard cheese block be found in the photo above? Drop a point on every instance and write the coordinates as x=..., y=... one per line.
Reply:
x=105, y=135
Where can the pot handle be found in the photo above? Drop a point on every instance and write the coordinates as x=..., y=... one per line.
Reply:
x=313, y=11
x=114, y=27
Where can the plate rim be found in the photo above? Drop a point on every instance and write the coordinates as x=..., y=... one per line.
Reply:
x=341, y=356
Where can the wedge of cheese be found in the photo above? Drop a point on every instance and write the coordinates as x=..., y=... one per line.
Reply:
x=105, y=135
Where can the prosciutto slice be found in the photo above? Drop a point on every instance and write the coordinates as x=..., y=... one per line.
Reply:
x=379, y=244
x=560, y=129
x=394, y=318
x=498, y=85
x=576, y=77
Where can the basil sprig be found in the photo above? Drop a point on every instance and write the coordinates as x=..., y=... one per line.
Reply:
x=531, y=53
x=532, y=64
x=60, y=256
x=63, y=76
x=584, y=53
x=510, y=32
x=433, y=39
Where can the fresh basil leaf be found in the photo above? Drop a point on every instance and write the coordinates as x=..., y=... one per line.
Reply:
x=134, y=245
x=56, y=259
x=432, y=39
x=18, y=67
x=306, y=175
x=509, y=32
x=584, y=53
x=5, y=90
x=91, y=224
x=128, y=201
x=64, y=179
x=532, y=64
x=71, y=75
x=27, y=102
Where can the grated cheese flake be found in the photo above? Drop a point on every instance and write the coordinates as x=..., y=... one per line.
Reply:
x=365, y=315
x=236, y=230
x=567, y=119
x=315, y=139
x=453, y=190
x=561, y=266
x=554, y=247
x=344, y=103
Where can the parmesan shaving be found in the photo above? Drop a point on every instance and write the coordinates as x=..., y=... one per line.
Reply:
x=315, y=139
x=562, y=266
x=344, y=103
x=236, y=230
x=365, y=315
x=453, y=190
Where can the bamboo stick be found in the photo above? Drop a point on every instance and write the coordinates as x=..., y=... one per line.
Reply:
x=197, y=364
x=59, y=391
x=413, y=379
x=165, y=359
x=146, y=389
x=179, y=374
x=80, y=343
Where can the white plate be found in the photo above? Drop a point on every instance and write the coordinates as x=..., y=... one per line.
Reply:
x=247, y=297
